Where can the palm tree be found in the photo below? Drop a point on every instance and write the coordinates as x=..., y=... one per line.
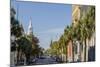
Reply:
x=90, y=25
x=85, y=29
x=62, y=46
x=69, y=34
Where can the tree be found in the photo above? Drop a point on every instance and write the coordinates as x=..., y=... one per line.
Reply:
x=15, y=27
x=25, y=46
x=85, y=29
x=70, y=36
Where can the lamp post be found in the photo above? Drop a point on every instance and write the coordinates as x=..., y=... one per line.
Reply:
x=13, y=50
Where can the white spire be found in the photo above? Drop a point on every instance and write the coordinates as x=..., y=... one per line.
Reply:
x=30, y=28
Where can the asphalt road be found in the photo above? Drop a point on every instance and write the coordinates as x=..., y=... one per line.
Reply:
x=42, y=61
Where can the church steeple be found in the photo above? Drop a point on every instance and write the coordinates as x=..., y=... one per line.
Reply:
x=51, y=43
x=30, y=27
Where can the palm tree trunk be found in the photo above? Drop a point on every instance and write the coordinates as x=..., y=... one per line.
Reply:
x=24, y=59
x=66, y=54
x=73, y=50
x=85, y=51
x=62, y=54
x=87, y=46
x=18, y=57
x=82, y=53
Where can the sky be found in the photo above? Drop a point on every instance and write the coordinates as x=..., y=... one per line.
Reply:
x=48, y=19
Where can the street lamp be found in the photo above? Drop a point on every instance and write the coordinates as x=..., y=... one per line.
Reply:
x=13, y=38
x=13, y=49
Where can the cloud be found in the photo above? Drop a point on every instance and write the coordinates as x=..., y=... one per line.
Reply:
x=53, y=31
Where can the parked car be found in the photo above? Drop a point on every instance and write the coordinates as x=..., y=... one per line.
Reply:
x=42, y=57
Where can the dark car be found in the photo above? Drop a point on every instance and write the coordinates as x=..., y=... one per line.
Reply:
x=42, y=57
